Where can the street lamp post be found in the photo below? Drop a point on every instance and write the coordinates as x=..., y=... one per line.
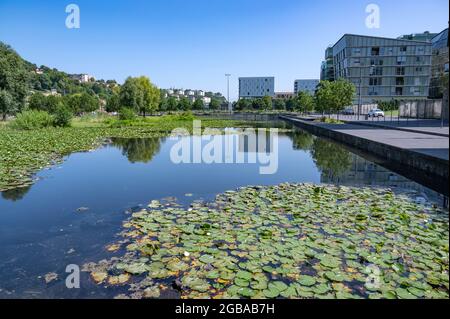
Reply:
x=360, y=86
x=228, y=92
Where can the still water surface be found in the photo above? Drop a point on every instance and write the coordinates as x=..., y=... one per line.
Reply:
x=75, y=209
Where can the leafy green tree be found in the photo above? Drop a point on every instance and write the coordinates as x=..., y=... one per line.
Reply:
x=7, y=105
x=279, y=104
x=14, y=78
x=292, y=105
x=151, y=96
x=172, y=104
x=215, y=104
x=198, y=105
x=324, y=97
x=113, y=103
x=184, y=104
x=243, y=104
x=343, y=94
x=305, y=102
x=267, y=103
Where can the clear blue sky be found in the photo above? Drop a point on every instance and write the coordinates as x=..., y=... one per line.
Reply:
x=192, y=44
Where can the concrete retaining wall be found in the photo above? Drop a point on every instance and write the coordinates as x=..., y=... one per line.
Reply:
x=426, y=164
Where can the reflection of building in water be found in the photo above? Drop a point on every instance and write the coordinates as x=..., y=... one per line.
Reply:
x=363, y=172
x=253, y=141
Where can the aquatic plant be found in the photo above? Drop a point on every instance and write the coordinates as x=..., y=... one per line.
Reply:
x=285, y=241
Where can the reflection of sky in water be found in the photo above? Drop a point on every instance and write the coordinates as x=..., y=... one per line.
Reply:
x=41, y=230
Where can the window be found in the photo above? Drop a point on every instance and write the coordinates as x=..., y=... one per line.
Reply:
x=401, y=60
x=398, y=91
x=356, y=51
x=375, y=81
x=376, y=71
x=376, y=62
x=375, y=51
x=400, y=70
x=403, y=49
x=399, y=81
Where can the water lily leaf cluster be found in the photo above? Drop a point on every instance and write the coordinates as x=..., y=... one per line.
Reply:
x=287, y=241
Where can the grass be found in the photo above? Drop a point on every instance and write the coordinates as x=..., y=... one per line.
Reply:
x=23, y=153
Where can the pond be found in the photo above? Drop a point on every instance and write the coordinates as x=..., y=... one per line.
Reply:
x=76, y=209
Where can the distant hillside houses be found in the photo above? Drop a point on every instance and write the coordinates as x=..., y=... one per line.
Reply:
x=193, y=95
x=83, y=78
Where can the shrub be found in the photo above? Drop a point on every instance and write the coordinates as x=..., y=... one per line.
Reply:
x=126, y=114
x=30, y=120
x=62, y=116
x=185, y=116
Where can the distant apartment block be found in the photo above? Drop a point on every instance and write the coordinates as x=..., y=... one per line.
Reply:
x=439, y=64
x=383, y=68
x=327, y=68
x=256, y=87
x=305, y=86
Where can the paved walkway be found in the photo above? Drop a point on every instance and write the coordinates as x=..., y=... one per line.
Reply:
x=437, y=146
x=421, y=142
x=433, y=127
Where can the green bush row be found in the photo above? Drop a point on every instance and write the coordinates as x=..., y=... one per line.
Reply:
x=33, y=119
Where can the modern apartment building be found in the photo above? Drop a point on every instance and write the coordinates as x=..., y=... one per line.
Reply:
x=439, y=64
x=426, y=36
x=327, y=68
x=256, y=87
x=305, y=86
x=383, y=68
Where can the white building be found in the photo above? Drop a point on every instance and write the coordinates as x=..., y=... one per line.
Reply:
x=206, y=100
x=256, y=87
x=189, y=93
x=305, y=86
x=200, y=93
x=83, y=78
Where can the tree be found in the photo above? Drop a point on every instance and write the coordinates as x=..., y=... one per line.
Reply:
x=305, y=102
x=334, y=96
x=140, y=94
x=14, y=79
x=243, y=104
x=7, y=105
x=113, y=103
x=267, y=103
x=184, y=104
x=215, y=104
x=279, y=104
x=151, y=96
x=172, y=104
x=343, y=94
x=198, y=105
x=292, y=105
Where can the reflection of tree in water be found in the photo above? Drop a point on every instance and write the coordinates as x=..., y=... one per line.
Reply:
x=139, y=150
x=330, y=158
x=302, y=140
x=16, y=193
